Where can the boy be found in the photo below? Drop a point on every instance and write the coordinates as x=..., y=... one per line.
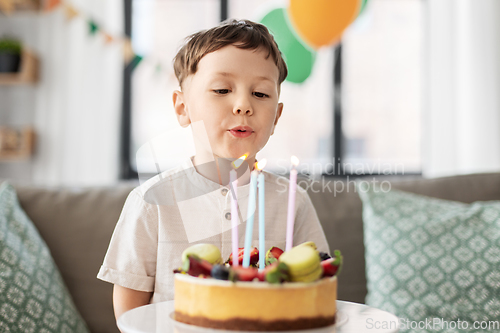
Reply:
x=229, y=78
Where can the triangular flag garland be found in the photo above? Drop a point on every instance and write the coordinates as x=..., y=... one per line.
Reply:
x=137, y=59
x=9, y=6
x=50, y=5
x=93, y=27
x=70, y=12
x=108, y=38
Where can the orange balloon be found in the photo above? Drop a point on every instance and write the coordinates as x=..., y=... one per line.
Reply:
x=322, y=22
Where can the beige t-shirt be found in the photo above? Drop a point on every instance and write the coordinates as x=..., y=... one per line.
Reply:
x=180, y=208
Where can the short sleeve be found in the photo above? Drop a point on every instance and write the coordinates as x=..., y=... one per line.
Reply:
x=131, y=257
x=307, y=225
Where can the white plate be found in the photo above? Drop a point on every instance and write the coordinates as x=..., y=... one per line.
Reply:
x=341, y=319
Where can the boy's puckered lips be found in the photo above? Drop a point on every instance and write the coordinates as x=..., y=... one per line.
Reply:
x=241, y=131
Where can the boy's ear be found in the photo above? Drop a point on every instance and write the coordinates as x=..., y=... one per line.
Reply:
x=279, y=110
x=180, y=108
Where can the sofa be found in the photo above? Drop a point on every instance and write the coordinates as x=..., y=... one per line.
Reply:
x=77, y=223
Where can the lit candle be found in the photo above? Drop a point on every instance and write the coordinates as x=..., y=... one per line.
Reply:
x=262, y=217
x=233, y=179
x=250, y=217
x=291, y=204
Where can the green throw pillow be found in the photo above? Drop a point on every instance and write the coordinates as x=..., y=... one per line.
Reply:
x=33, y=297
x=429, y=258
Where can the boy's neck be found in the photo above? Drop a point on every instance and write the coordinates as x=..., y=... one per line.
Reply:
x=218, y=169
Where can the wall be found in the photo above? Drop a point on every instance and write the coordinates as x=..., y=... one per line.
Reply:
x=17, y=103
x=75, y=108
x=462, y=119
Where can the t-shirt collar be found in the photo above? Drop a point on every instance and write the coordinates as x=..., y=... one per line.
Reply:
x=204, y=183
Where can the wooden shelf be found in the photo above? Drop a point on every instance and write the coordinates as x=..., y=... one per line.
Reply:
x=24, y=146
x=10, y=6
x=28, y=71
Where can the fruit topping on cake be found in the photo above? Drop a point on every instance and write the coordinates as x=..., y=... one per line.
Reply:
x=273, y=255
x=277, y=272
x=310, y=244
x=254, y=256
x=195, y=266
x=241, y=273
x=208, y=252
x=220, y=272
x=324, y=256
x=332, y=266
x=303, y=263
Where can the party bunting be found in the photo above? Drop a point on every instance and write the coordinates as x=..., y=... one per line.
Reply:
x=70, y=12
x=49, y=5
x=108, y=38
x=93, y=27
x=137, y=59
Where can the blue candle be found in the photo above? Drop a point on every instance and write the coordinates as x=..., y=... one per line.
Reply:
x=250, y=218
x=262, y=218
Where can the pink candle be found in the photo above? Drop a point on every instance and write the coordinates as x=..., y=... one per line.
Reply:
x=291, y=204
x=233, y=185
x=234, y=214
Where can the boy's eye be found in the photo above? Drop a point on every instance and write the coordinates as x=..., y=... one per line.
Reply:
x=260, y=95
x=221, y=91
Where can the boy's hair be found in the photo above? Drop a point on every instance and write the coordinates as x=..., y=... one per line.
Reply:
x=243, y=34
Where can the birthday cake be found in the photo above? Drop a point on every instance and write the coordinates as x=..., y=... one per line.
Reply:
x=296, y=290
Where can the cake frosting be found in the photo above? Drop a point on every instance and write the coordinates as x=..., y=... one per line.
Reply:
x=255, y=306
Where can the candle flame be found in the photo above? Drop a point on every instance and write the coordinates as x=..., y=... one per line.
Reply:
x=237, y=163
x=260, y=165
x=295, y=160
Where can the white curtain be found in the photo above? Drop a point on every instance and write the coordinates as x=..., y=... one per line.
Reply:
x=78, y=102
x=462, y=113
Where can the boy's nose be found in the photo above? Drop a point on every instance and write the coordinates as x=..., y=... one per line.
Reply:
x=243, y=107
x=247, y=112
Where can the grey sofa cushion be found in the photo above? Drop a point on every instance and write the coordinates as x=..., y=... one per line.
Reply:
x=431, y=258
x=77, y=225
x=33, y=297
x=341, y=216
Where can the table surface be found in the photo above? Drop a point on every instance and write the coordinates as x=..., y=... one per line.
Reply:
x=351, y=317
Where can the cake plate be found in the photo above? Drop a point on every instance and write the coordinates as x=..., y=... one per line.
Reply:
x=351, y=317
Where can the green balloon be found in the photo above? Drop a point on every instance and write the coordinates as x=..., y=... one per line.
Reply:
x=298, y=57
x=363, y=5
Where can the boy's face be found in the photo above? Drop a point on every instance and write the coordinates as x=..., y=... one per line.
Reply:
x=235, y=93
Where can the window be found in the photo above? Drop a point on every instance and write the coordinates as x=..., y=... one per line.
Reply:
x=379, y=80
x=158, y=30
x=382, y=88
